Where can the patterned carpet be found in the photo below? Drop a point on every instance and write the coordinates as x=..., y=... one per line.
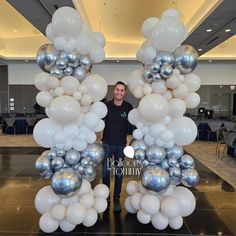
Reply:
x=205, y=152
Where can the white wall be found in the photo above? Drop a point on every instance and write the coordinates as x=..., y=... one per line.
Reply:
x=210, y=73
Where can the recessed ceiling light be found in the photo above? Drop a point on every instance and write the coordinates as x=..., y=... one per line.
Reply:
x=26, y=60
x=15, y=30
x=227, y=30
x=199, y=49
x=221, y=86
x=210, y=61
x=117, y=61
x=208, y=30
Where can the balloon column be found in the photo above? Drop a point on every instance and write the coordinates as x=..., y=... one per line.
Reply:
x=71, y=96
x=165, y=86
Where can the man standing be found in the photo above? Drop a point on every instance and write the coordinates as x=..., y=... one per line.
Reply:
x=114, y=140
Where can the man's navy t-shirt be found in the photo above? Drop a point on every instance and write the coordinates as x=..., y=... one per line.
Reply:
x=116, y=123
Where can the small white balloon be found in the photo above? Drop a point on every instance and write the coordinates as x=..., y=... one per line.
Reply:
x=128, y=206
x=100, y=204
x=159, y=221
x=47, y=224
x=170, y=207
x=129, y=151
x=59, y=91
x=76, y=213
x=138, y=134
x=90, y=218
x=150, y=204
x=159, y=87
x=181, y=91
x=136, y=200
x=87, y=200
x=44, y=98
x=101, y=190
x=53, y=82
x=70, y=84
x=85, y=187
x=40, y=81
x=192, y=81
x=58, y=212
x=192, y=100
x=176, y=222
x=66, y=226
x=143, y=217
x=91, y=120
x=132, y=187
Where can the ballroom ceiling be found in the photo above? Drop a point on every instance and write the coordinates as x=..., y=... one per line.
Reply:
x=211, y=25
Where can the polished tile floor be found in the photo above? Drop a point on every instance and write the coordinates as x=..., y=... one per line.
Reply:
x=215, y=212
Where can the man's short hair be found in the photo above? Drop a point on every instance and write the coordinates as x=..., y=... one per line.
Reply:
x=122, y=83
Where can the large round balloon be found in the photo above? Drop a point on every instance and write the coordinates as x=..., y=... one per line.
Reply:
x=46, y=57
x=186, y=58
x=153, y=107
x=97, y=86
x=184, y=129
x=65, y=109
x=44, y=132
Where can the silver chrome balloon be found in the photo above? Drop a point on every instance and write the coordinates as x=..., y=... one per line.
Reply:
x=155, y=154
x=139, y=154
x=138, y=144
x=155, y=67
x=68, y=71
x=186, y=161
x=46, y=57
x=47, y=174
x=72, y=157
x=86, y=62
x=172, y=161
x=89, y=174
x=164, y=164
x=186, y=59
x=80, y=73
x=176, y=151
x=164, y=57
x=56, y=72
x=145, y=163
x=52, y=154
x=79, y=169
x=63, y=55
x=148, y=75
x=43, y=164
x=155, y=178
x=61, y=153
x=57, y=163
x=94, y=152
x=85, y=161
x=73, y=59
x=157, y=77
x=175, y=172
x=190, y=177
x=66, y=182
x=61, y=63
x=166, y=71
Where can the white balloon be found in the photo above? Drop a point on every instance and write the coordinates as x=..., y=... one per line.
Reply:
x=166, y=136
x=149, y=54
x=76, y=213
x=59, y=91
x=49, y=32
x=192, y=81
x=141, y=188
x=176, y=222
x=181, y=91
x=159, y=221
x=128, y=206
x=91, y=137
x=85, y=109
x=159, y=87
x=132, y=187
x=135, y=80
x=173, y=82
x=156, y=129
x=171, y=12
x=143, y=217
x=91, y=120
x=168, y=95
x=169, y=191
x=44, y=98
x=77, y=95
x=100, y=39
x=136, y=200
x=184, y=130
x=138, y=134
x=100, y=127
x=79, y=145
x=83, y=89
x=129, y=151
x=84, y=43
x=99, y=108
x=186, y=200
x=150, y=204
x=45, y=199
x=53, y=82
x=70, y=131
x=67, y=201
x=70, y=84
x=87, y=200
x=147, y=89
x=90, y=218
x=153, y=107
x=166, y=120
x=47, y=224
x=192, y=100
x=44, y=132
x=85, y=187
x=148, y=26
x=66, y=226
x=40, y=81
x=58, y=212
x=97, y=54
x=86, y=100
x=170, y=207
x=67, y=21
x=97, y=86
x=138, y=92
x=134, y=116
x=177, y=108
x=100, y=204
x=148, y=139
x=59, y=43
x=65, y=109
x=101, y=190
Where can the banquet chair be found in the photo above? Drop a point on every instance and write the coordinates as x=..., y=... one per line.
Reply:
x=10, y=125
x=229, y=139
x=220, y=140
x=215, y=127
x=229, y=126
x=30, y=123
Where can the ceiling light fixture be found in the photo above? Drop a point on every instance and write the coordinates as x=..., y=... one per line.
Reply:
x=210, y=61
x=117, y=61
x=15, y=30
x=232, y=87
x=199, y=49
x=227, y=30
x=208, y=30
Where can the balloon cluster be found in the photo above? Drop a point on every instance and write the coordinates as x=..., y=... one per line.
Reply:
x=66, y=213
x=161, y=209
x=166, y=88
x=71, y=96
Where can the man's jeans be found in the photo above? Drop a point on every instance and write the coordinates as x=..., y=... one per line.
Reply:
x=115, y=165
